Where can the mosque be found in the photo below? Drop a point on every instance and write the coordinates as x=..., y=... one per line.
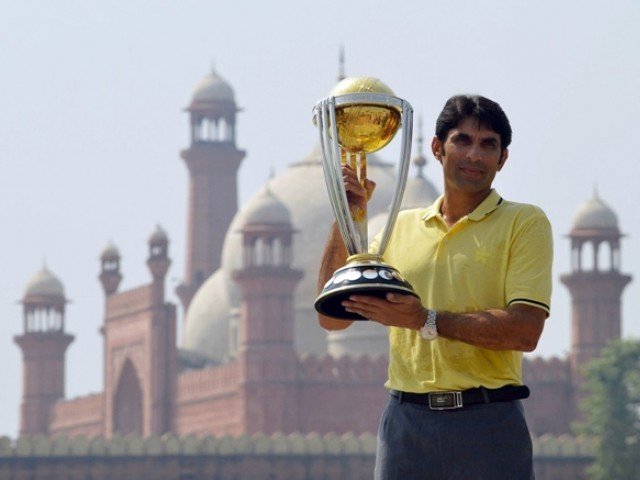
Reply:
x=253, y=359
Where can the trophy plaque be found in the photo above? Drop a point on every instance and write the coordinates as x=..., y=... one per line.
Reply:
x=360, y=116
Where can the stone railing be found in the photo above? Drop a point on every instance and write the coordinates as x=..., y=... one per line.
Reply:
x=133, y=445
x=256, y=457
x=258, y=444
x=564, y=446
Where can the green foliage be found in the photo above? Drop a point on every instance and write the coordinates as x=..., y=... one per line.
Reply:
x=612, y=411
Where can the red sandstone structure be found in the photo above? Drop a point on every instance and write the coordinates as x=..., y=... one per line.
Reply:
x=253, y=359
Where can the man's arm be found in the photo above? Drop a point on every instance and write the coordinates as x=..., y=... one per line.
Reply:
x=333, y=257
x=517, y=327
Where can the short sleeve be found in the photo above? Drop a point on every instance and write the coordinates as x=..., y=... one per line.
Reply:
x=529, y=273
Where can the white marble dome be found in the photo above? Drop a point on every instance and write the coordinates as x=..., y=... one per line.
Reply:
x=212, y=88
x=301, y=189
x=594, y=214
x=264, y=208
x=419, y=192
x=44, y=284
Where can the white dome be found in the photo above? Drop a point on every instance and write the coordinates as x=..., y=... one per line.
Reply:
x=265, y=209
x=594, y=214
x=301, y=188
x=212, y=88
x=419, y=193
x=207, y=320
x=44, y=284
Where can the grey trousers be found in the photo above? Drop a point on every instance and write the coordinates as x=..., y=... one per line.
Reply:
x=476, y=442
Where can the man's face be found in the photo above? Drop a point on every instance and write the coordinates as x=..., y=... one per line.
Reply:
x=471, y=156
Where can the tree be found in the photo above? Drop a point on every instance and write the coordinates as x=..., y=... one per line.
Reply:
x=612, y=411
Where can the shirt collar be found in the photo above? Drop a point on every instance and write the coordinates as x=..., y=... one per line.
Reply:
x=488, y=205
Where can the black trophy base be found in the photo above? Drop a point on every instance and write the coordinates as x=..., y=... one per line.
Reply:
x=372, y=279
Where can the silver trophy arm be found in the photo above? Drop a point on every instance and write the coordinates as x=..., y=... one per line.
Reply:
x=331, y=162
x=405, y=156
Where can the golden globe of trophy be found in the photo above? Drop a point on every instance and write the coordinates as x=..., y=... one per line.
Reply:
x=360, y=116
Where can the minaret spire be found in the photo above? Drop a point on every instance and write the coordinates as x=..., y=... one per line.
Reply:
x=420, y=160
x=341, y=75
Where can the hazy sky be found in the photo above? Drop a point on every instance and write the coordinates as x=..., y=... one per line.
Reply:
x=92, y=98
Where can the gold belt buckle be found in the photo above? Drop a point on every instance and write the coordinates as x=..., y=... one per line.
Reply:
x=445, y=400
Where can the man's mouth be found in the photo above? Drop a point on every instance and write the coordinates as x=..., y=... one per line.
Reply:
x=473, y=171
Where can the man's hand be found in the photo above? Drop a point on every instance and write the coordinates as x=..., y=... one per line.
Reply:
x=396, y=310
x=357, y=194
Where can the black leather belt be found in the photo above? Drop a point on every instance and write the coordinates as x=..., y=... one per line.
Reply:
x=458, y=399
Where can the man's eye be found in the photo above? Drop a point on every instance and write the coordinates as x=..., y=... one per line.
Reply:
x=462, y=140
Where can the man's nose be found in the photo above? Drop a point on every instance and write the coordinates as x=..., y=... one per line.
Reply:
x=475, y=153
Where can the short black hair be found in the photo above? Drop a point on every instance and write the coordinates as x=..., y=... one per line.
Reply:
x=488, y=113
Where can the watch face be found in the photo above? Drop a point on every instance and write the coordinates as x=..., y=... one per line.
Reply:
x=429, y=332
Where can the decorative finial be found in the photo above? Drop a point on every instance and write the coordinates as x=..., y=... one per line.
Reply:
x=595, y=191
x=420, y=160
x=341, y=75
x=267, y=186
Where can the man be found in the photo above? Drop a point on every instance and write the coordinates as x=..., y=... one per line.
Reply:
x=482, y=268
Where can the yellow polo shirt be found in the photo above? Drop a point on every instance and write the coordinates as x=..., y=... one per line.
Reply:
x=499, y=254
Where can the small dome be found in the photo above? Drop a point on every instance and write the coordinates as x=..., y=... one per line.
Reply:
x=110, y=252
x=158, y=237
x=44, y=284
x=212, y=88
x=266, y=209
x=594, y=214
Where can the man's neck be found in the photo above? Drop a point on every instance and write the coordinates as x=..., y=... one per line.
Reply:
x=457, y=204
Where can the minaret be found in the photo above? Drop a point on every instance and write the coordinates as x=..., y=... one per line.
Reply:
x=266, y=331
x=110, y=276
x=158, y=261
x=213, y=161
x=43, y=343
x=161, y=333
x=595, y=282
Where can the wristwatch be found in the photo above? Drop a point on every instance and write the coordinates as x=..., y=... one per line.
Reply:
x=429, y=331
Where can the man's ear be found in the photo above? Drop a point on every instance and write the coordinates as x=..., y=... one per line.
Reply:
x=503, y=158
x=436, y=148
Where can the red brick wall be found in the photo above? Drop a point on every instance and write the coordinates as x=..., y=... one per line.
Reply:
x=79, y=416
